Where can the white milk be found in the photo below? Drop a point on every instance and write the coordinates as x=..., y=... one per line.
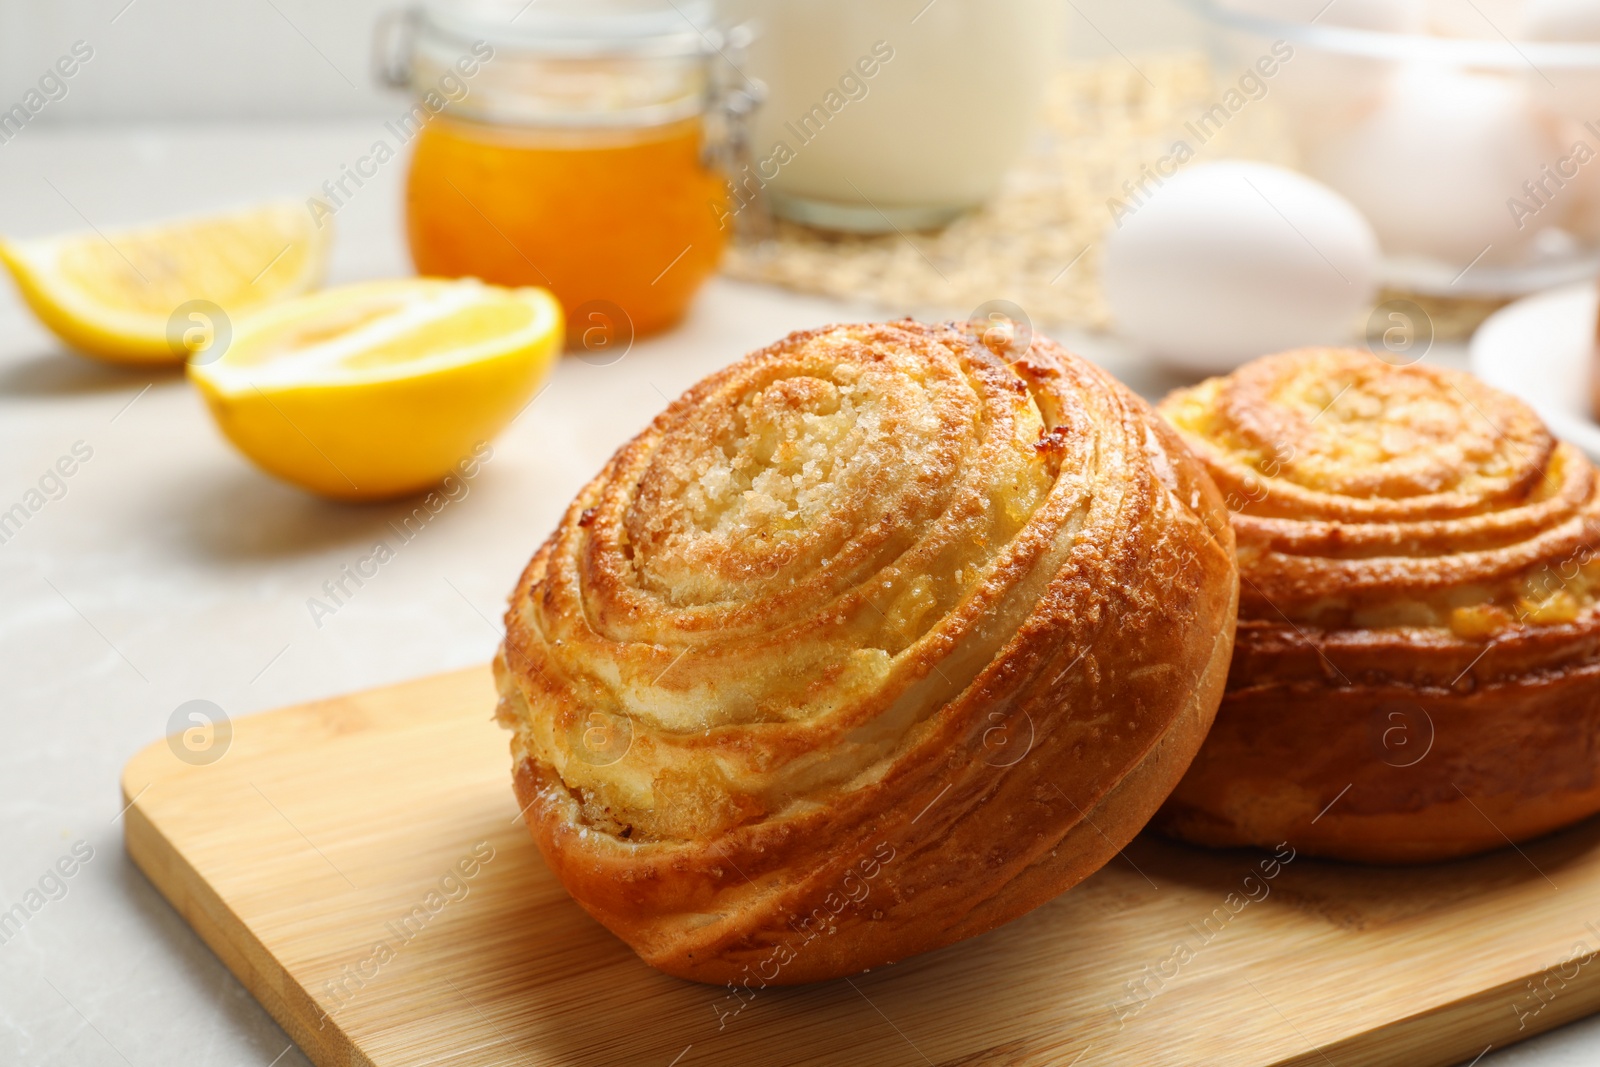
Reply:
x=896, y=108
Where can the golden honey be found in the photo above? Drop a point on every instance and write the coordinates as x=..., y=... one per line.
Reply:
x=629, y=216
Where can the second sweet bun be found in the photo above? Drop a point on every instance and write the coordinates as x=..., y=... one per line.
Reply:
x=1417, y=669
x=868, y=643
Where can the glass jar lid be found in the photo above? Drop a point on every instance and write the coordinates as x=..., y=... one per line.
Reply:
x=578, y=27
x=566, y=63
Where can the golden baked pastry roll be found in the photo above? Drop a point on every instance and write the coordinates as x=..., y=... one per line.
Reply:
x=870, y=642
x=1417, y=669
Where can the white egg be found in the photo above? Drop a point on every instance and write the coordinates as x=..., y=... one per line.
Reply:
x=1433, y=165
x=1228, y=261
x=1324, y=89
x=1392, y=16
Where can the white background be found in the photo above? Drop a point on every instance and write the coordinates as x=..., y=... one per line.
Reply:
x=299, y=59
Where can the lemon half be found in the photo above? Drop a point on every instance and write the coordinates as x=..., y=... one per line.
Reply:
x=115, y=294
x=381, y=389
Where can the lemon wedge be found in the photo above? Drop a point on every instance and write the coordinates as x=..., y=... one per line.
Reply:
x=381, y=389
x=152, y=294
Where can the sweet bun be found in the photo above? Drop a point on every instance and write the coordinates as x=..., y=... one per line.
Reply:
x=870, y=642
x=1417, y=669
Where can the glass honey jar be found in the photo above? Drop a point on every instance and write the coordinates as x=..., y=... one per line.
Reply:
x=570, y=144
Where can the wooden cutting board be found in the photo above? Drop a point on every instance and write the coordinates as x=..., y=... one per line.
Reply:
x=358, y=863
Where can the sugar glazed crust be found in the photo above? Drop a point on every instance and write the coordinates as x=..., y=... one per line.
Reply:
x=1417, y=669
x=869, y=643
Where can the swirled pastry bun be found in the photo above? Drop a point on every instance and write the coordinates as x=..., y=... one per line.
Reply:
x=1417, y=670
x=870, y=642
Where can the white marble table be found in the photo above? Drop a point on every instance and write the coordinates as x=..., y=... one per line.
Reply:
x=170, y=570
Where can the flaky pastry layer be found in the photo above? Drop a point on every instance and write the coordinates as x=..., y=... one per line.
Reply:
x=1419, y=564
x=873, y=591
x=1372, y=496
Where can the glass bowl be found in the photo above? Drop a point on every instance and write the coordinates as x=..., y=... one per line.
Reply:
x=1477, y=160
